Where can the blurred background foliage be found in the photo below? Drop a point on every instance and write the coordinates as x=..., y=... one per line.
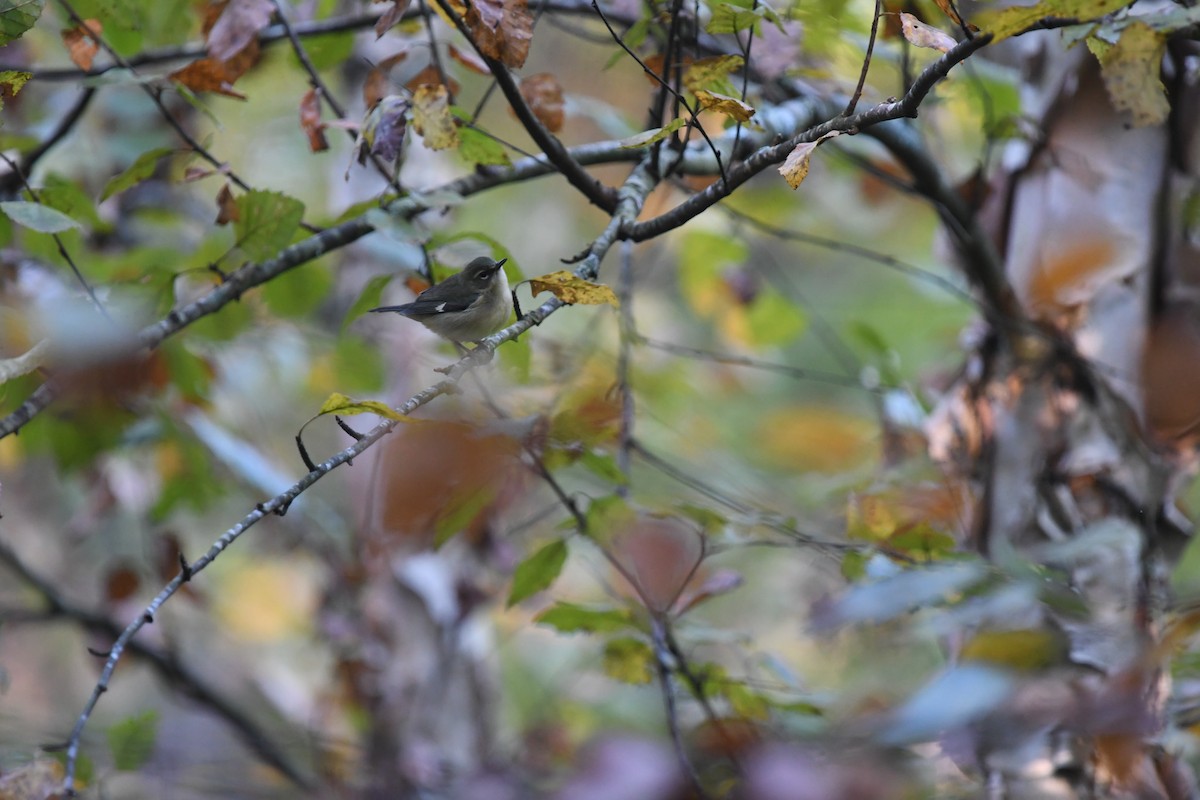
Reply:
x=789, y=347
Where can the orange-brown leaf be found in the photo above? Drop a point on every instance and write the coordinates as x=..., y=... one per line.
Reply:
x=431, y=77
x=658, y=556
x=502, y=29
x=470, y=60
x=227, y=210
x=212, y=75
x=390, y=17
x=544, y=96
x=310, y=121
x=81, y=42
x=377, y=84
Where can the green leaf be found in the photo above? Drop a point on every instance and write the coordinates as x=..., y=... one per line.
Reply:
x=12, y=81
x=1014, y=20
x=131, y=740
x=647, y=138
x=298, y=292
x=224, y=325
x=368, y=298
x=358, y=364
x=603, y=466
x=774, y=320
x=138, y=171
x=629, y=660
x=538, y=571
x=268, y=220
x=38, y=217
x=572, y=618
x=67, y=196
x=461, y=513
x=338, y=403
x=728, y=18
x=16, y=17
x=479, y=148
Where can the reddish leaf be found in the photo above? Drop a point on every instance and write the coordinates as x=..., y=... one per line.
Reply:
x=502, y=29
x=212, y=75
x=723, y=581
x=81, y=42
x=227, y=210
x=310, y=121
x=545, y=98
x=431, y=77
x=469, y=60
x=390, y=17
x=238, y=27
x=659, y=556
x=376, y=86
x=121, y=584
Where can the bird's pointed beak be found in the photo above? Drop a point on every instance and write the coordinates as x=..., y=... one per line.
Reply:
x=501, y=263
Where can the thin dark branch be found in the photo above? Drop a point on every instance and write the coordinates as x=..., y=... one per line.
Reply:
x=865, y=253
x=166, y=663
x=862, y=77
x=434, y=55
x=58, y=242
x=315, y=81
x=628, y=337
x=631, y=196
x=662, y=664
x=29, y=160
x=605, y=197
x=800, y=373
x=666, y=87
x=155, y=95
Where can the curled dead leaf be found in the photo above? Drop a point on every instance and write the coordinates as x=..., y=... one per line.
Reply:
x=570, y=288
x=795, y=168
x=431, y=117
x=310, y=121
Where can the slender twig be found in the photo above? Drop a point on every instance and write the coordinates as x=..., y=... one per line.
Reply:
x=692, y=118
x=434, y=56
x=800, y=373
x=166, y=663
x=631, y=196
x=662, y=664
x=624, y=383
x=865, y=253
x=155, y=95
x=58, y=242
x=737, y=137
x=315, y=81
x=862, y=77
x=29, y=160
x=605, y=197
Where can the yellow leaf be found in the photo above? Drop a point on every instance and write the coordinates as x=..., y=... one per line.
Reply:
x=1026, y=650
x=266, y=601
x=1132, y=75
x=570, y=288
x=921, y=35
x=817, y=438
x=705, y=71
x=724, y=104
x=1014, y=20
x=795, y=167
x=341, y=404
x=431, y=116
x=647, y=138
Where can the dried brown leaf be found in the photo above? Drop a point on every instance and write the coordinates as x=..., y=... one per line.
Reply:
x=544, y=96
x=237, y=27
x=377, y=84
x=502, y=29
x=470, y=60
x=310, y=121
x=227, y=210
x=82, y=42
x=211, y=75
x=431, y=77
x=390, y=17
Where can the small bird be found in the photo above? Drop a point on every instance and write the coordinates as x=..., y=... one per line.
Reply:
x=465, y=307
